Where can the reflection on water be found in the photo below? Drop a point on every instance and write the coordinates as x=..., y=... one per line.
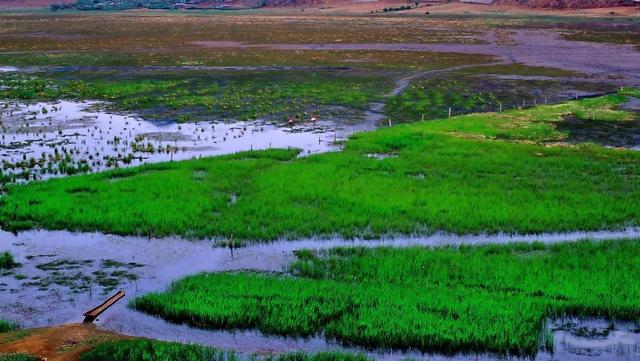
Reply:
x=595, y=339
x=41, y=140
x=64, y=274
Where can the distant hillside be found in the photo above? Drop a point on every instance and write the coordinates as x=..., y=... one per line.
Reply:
x=32, y=3
x=568, y=4
x=244, y=4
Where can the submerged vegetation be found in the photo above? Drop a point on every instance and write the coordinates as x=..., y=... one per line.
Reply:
x=493, y=298
x=493, y=172
x=148, y=350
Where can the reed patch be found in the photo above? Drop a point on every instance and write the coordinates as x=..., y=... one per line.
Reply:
x=469, y=299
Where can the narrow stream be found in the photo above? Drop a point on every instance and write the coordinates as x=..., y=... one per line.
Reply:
x=63, y=274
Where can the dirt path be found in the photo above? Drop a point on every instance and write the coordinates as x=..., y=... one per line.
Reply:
x=375, y=115
x=59, y=343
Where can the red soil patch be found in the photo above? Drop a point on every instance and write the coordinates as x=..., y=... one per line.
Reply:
x=60, y=343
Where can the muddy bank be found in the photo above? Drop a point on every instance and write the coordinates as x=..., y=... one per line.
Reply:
x=611, y=62
x=60, y=343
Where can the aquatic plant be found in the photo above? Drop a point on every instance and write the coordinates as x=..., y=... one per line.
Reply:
x=18, y=357
x=6, y=326
x=508, y=172
x=7, y=261
x=149, y=350
x=490, y=298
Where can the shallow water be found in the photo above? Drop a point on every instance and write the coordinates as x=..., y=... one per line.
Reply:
x=40, y=140
x=158, y=262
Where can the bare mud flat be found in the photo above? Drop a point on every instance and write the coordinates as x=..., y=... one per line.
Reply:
x=612, y=62
x=41, y=140
x=63, y=274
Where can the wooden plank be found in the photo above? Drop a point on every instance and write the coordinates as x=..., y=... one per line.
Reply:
x=92, y=314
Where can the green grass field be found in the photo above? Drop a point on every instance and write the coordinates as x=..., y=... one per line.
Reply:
x=493, y=172
x=148, y=350
x=493, y=298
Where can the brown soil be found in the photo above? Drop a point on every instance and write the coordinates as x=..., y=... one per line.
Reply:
x=565, y=4
x=60, y=343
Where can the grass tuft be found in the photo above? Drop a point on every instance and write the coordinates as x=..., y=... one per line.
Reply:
x=7, y=261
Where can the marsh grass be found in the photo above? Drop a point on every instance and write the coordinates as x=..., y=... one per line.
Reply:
x=6, y=326
x=475, y=89
x=149, y=350
x=239, y=95
x=491, y=298
x=7, y=261
x=508, y=172
x=520, y=69
x=18, y=357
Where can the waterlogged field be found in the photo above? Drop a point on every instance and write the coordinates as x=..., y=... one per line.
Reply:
x=452, y=299
x=207, y=95
x=489, y=88
x=17, y=357
x=144, y=39
x=107, y=121
x=497, y=172
x=142, y=350
x=207, y=125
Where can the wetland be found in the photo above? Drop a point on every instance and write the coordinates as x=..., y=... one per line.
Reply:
x=282, y=185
